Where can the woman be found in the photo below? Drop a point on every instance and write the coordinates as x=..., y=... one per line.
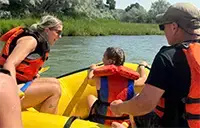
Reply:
x=24, y=54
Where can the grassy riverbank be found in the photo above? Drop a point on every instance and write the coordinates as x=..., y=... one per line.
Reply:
x=86, y=27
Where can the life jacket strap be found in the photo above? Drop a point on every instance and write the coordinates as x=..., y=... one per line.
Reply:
x=102, y=102
x=94, y=114
x=20, y=72
x=189, y=116
x=188, y=100
x=70, y=121
x=24, y=62
x=109, y=117
x=4, y=56
x=160, y=108
x=5, y=71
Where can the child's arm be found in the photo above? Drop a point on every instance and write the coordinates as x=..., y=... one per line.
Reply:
x=92, y=79
x=91, y=74
x=143, y=76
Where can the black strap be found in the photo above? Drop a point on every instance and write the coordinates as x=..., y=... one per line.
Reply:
x=5, y=71
x=192, y=41
x=109, y=117
x=97, y=115
x=20, y=72
x=188, y=100
x=190, y=116
x=99, y=101
x=186, y=43
x=91, y=111
x=145, y=66
x=4, y=56
x=102, y=102
x=25, y=62
x=160, y=108
x=70, y=121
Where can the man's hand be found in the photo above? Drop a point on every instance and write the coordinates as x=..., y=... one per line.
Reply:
x=114, y=107
x=117, y=125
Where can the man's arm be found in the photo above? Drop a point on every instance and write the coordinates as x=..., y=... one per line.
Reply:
x=141, y=104
x=149, y=97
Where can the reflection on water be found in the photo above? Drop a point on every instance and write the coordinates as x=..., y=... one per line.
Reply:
x=72, y=53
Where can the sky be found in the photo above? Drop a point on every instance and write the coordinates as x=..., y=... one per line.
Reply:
x=122, y=4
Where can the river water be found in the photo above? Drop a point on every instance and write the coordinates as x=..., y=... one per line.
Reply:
x=72, y=53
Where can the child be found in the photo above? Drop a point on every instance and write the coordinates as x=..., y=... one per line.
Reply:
x=113, y=81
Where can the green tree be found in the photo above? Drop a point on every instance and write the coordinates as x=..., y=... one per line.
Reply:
x=16, y=7
x=135, y=13
x=157, y=7
x=111, y=4
x=136, y=5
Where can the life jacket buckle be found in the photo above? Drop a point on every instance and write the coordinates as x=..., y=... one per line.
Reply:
x=185, y=45
x=184, y=100
x=189, y=116
x=184, y=116
x=188, y=100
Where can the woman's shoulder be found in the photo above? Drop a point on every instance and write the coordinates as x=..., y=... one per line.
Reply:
x=27, y=40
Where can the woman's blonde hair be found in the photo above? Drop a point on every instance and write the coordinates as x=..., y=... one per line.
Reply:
x=47, y=21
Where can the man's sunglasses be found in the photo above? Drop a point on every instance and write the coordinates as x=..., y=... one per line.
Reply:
x=162, y=27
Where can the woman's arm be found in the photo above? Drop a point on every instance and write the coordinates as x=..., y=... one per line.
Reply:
x=24, y=46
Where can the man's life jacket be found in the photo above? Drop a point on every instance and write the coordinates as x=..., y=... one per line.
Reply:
x=117, y=82
x=29, y=67
x=192, y=101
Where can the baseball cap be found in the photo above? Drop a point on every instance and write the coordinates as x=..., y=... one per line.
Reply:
x=186, y=15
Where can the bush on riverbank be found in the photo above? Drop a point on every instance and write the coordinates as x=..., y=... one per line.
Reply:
x=89, y=27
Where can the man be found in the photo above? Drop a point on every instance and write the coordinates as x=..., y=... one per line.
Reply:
x=172, y=89
x=10, y=108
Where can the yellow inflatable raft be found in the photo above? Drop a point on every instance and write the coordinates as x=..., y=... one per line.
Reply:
x=73, y=102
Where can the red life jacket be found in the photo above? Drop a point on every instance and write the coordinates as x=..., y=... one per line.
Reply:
x=192, y=101
x=28, y=68
x=117, y=82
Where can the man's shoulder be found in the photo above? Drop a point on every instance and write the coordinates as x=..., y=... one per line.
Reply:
x=169, y=51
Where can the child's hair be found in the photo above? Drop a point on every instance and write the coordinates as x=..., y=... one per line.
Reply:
x=116, y=54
